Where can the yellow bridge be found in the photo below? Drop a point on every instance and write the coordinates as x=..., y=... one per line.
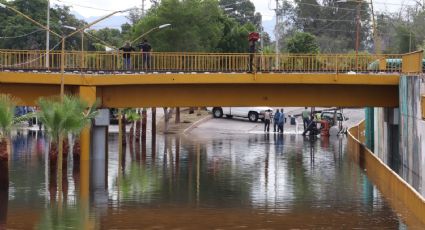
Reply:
x=204, y=79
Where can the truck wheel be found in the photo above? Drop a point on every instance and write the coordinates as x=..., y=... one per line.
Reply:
x=253, y=116
x=217, y=112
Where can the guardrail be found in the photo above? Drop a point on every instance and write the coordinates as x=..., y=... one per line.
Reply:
x=401, y=195
x=199, y=62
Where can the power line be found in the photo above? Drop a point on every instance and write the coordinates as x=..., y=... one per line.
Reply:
x=23, y=35
x=83, y=6
x=326, y=19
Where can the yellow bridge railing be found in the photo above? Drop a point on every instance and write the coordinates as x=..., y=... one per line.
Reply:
x=198, y=62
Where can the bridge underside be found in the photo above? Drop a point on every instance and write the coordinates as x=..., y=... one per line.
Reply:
x=248, y=95
x=174, y=90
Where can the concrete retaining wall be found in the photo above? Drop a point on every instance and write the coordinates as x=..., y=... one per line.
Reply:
x=399, y=134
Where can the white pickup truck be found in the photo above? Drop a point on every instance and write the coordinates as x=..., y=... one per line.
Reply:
x=252, y=113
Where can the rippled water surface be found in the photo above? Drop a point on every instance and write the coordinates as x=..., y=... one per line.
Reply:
x=247, y=181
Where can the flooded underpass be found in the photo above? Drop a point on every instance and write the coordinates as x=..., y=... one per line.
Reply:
x=230, y=181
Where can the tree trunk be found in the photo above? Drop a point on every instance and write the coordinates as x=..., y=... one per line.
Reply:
x=53, y=156
x=60, y=172
x=153, y=134
x=52, y=183
x=144, y=123
x=131, y=140
x=138, y=124
x=153, y=121
x=4, y=153
x=4, y=201
x=177, y=115
x=4, y=177
x=65, y=152
x=76, y=152
x=124, y=129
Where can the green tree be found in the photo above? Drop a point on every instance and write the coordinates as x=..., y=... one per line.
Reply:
x=110, y=36
x=336, y=20
x=195, y=25
x=301, y=42
x=235, y=37
x=23, y=34
x=242, y=11
x=7, y=112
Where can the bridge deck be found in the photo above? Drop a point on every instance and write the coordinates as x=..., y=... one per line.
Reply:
x=202, y=79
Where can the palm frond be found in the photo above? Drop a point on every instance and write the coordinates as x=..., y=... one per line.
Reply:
x=7, y=112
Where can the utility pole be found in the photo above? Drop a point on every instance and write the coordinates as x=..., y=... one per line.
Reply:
x=359, y=3
x=143, y=8
x=376, y=38
x=276, y=32
x=48, y=35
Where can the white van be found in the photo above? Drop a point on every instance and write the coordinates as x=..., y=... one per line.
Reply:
x=252, y=113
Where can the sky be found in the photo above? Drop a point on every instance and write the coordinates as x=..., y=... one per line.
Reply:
x=95, y=8
x=89, y=8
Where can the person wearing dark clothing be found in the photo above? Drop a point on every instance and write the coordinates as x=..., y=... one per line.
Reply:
x=281, y=121
x=146, y=49
x=311, y=128
x=127, y=49
x=276, y=121
x=251, y=55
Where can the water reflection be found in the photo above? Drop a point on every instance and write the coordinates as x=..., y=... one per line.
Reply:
x=232, y=181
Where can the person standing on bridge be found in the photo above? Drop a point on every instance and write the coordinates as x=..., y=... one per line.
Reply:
x=146, y=49
x=252, y=38
x=127, y=49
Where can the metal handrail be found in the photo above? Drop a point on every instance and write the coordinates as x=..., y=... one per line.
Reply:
x=198, y=62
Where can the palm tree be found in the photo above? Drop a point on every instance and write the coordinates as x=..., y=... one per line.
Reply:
x=132, y=116
x=7, y=113
x=61, y=117
x=88, y=115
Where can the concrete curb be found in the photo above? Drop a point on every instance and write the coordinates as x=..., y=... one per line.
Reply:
x=196, y=124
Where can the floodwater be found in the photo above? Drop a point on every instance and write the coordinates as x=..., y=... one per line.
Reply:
x=246, y=181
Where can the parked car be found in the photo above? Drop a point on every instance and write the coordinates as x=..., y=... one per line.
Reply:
x=252, y=113
x=329, y=116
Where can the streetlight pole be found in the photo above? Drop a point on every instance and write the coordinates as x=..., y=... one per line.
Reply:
x=149, y=31
x=277, y=35
x=48, y=35
x=62, y=92
x=358, y=26
x=358, y=32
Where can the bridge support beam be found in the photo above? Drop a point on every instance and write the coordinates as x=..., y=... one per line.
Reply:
x=291, y=95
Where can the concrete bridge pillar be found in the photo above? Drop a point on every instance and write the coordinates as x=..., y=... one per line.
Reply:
x=88, y=94
x=99, y=156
